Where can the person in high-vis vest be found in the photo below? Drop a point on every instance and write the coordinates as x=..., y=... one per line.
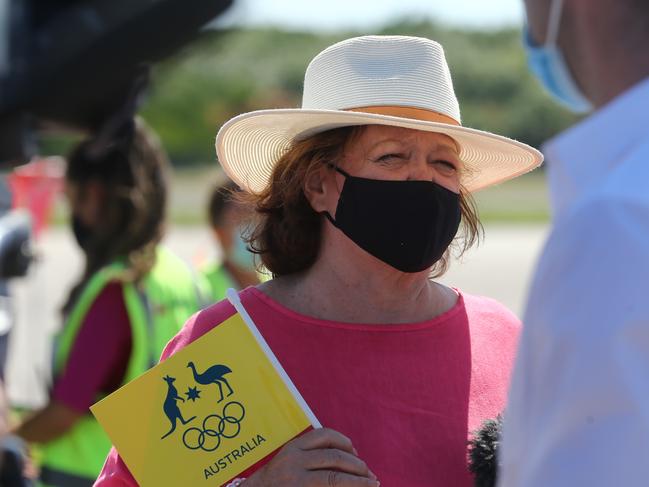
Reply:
x=134, y=295
x=236, y=267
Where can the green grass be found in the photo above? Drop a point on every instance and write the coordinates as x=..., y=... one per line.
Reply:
x=523, y=199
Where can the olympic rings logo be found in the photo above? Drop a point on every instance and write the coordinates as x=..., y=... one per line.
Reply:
x=215, y=426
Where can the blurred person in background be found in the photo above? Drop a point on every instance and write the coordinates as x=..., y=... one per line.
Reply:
x=236, y=267
x=16, y=470
x=578, y=413
x=6, y=311
x=132, y=298
x=358, y=196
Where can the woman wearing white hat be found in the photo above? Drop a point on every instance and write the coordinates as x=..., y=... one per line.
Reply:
x=358, y=195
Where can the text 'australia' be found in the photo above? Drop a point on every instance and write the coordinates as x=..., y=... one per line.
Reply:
x=227, y=460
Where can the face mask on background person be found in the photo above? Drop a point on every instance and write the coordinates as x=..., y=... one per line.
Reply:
x=406, y=224
x=82, y=232
x=239, y=255
x=549, y=66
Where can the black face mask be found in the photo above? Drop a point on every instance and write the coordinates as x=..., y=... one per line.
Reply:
x=406, y=224
x=82, y=232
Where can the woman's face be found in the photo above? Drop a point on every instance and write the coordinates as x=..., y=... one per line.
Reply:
x=395, y=153
x=389, y=154
x=85, y=201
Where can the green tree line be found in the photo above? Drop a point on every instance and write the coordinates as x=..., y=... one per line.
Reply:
x=225, y=73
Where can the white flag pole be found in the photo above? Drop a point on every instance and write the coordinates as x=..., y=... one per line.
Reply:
x=235, y=300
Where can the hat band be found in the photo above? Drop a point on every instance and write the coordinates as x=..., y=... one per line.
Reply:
x=407, y=112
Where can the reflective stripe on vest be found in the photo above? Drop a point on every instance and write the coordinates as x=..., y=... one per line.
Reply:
x=55, y=478
x=170, y=299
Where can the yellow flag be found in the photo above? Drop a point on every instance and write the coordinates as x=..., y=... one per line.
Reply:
x=208, y=414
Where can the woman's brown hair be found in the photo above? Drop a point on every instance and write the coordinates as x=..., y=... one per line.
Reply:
x=286, y=231
x=132, y=170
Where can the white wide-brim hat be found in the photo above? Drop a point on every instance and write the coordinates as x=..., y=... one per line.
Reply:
x=384, y=80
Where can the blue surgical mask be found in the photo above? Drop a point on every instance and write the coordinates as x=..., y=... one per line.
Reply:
x=240, y=255
x=549, y=66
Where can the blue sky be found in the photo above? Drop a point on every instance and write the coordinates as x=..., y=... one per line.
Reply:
x=329, y=15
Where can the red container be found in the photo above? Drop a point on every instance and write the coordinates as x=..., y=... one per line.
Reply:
x=34, y=187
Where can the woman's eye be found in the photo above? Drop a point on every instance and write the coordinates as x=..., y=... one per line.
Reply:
x=445, y=166
x=389, y=157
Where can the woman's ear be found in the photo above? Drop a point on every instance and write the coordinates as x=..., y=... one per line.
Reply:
x=319, y=187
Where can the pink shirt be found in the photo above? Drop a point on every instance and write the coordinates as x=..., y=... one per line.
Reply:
x=408, y=395
x=99, y=356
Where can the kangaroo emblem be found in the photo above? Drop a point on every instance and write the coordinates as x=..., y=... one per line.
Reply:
x=170, y=408
x=213, y=375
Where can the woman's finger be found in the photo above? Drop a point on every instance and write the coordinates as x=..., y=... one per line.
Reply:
x=333, y=478
x=334, y=459
x=325, y=438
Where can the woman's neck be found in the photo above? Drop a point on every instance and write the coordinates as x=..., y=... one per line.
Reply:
x=361, y=289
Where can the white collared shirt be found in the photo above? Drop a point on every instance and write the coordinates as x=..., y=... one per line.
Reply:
x=578, y=412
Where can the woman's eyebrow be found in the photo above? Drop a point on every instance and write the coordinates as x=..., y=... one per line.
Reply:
x=444, y=147
x=385, y=141
x=449, y=149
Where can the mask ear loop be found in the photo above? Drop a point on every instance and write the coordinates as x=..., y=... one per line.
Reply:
x=554, y=22
x=337, y=169
x=346, y=175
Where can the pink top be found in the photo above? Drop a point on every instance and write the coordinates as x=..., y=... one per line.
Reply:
x=99, y=356
x=406, y=394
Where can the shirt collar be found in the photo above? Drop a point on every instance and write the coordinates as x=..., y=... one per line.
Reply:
x=580, y=157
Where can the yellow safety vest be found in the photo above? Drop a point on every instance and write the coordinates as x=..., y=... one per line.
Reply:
x=157, y=308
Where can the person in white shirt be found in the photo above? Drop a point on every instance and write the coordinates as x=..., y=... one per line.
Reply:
x=578, y=412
